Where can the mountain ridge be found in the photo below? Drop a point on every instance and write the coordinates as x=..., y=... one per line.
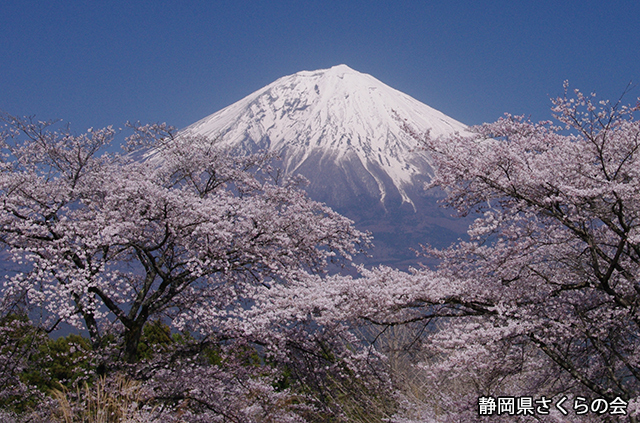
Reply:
x=338, y=116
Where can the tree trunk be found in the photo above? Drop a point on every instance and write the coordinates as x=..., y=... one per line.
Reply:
x=132, y=337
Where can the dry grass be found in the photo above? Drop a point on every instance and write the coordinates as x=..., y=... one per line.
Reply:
x=120, y=400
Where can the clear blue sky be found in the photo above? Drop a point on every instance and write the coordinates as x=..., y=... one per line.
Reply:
x=95, y=63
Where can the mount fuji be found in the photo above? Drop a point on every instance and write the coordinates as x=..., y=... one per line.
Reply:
x=343, y=131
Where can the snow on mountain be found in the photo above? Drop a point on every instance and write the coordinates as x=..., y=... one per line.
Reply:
x=338, y=127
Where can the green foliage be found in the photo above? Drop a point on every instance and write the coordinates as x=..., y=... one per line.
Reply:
x=62, y=362
x=213, y=356
x=156, y=337
x=19, y=340
x=284, y=381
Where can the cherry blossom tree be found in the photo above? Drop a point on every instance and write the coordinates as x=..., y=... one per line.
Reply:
x=543, y=299
x=177, y=228
x=553, y=262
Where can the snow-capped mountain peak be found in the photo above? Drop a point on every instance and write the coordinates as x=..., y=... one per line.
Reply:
x=334, y=123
